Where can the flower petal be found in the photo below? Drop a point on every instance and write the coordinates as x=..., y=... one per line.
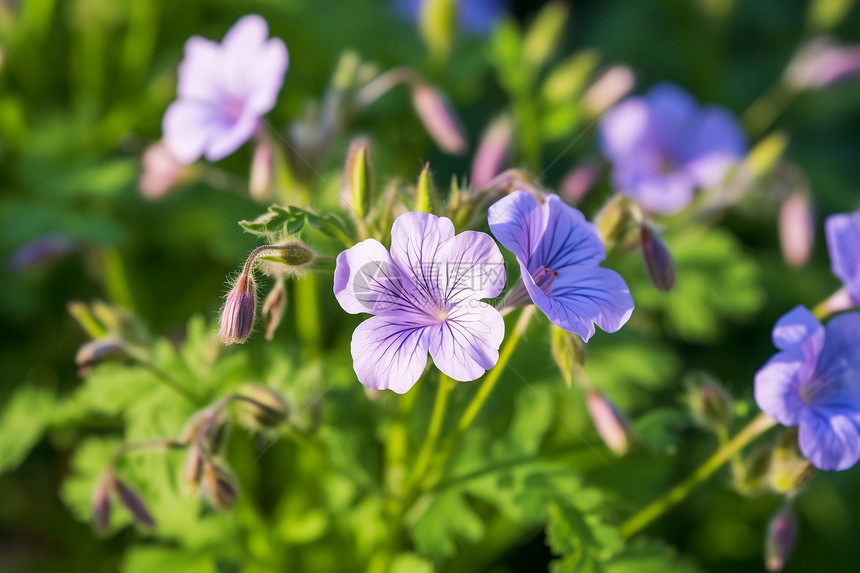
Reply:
x=843, y=244
x=794, y=327
x=830, y=442
x=469, y=266
x=569, y=239
x=838, y=364
x=717, y=144
x=590, y=295
x=518, y=223
x=777, y=388
x=467, y=343
x=660, y=193
x=188, y=127
x=230, y=136
x=389, y=353
x=366, y=279
x=625, y=128
x=416, y=239
x=199, y=77
x=253, y=65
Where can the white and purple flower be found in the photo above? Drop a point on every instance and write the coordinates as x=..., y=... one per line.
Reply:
x=425, y=297
x=663, y=146
x=223, y=91
x=814, y=383
x=559, y=253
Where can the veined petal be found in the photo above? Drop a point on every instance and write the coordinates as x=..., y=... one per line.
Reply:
x=470, y=266
x=366, y=279
x=838, y=365
x=777, y=388
x=830, y=441
x=188, y=127
x=389, y=352
x=467, y=344
x=794, y=327
x=843, y=244
x=569, y=239
x=577, y=299
x=416, y=239
x=518, y=223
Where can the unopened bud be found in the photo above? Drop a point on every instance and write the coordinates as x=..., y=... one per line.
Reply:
x=218, y=486
x=261, y=171
x=41, y=251
x=358, y=175
x=568, y=351
x=544, y=34
x=492, y=151
x=790, y=470
x=438, y=118
x=133, y=503
x=264, y=407
x=709, y=401
x=240, y=310
x=161, y=171
x=274, y=307
x=291, y=258
x=823, y=62
x=97, y=351
x=608, y=89
x=619, y=222
x=193, y=466
x=425, y=191
x=579, y=181
x=438, y=24
x=796, y=229
x=102, y=502
x=658, y=260
x=752, y=474
x=216, y=437
x=610, y=423
x=781, y=537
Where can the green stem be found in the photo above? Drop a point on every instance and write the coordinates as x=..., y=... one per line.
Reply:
x=649, y=513
x=767, y=108
x=437, y=419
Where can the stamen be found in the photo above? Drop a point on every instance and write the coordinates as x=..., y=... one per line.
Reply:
x=544, y=277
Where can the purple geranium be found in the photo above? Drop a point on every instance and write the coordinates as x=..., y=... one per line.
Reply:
x=843, y=244
x=425, y=297
x=663, y=146
x=223, y=91
x=477, y=16
x=814, y=383
x=559, y=253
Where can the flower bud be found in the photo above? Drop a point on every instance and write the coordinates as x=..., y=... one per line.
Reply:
x=218, y=486
x=619, y=222
x=193, y=466
x=492, y=151
x=438, y=24
x=161, y=171
x=358, y=175
x=610, y=423
x=133, y=503
x=544, y=34
x=752, y=475
x=823, y=62
x=102, y=502
x=41, y=251
x=261, y=172
x=568, y=351
x=274, y=307
x=790, y=470
x=709, y=401
x=579, y=181
x=425, y=191
x=781, y=536
x=438, y=118
x=96, y=351
x=608, y=89
x=796, y=229
x=237, y=317
x=291, y=258
x=658, y=260
x=264, y=407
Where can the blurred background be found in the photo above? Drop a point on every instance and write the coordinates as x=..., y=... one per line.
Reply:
x=84, y=85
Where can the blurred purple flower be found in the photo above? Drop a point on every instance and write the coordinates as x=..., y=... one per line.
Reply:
x=477, y=16
x=823, y=62
x=814, y=383
x=663, y=146
x=425, y=297
x=223, y=91
x=559, y=252
x=42, y=250
x=843, y=244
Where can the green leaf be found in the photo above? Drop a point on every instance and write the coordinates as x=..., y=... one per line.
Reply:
x=410, y=563
x=447, y=519
x=149, y=559
x=650, y=557
x=22, y=423
x=580, y=537
x=658, y=429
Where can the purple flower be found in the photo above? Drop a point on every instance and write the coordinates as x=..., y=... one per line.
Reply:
x=814, y=383
x=223, y=91
x=663, y=146
x=559, y=252
x=425, y=297
x=843, y=244
x=478, y=16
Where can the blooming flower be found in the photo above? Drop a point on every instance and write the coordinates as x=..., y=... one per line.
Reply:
x=814, y=383
x=663, y=146
x=478, y=16
x=223, y=91
x=843, y=244
x=559, y=252
x=425, y=297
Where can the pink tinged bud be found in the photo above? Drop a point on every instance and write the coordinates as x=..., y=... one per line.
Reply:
x=780, y=540
x=579, y=181
x=274, y=307
x=492, y=152
x=438, y=118
x=610, y=423
x=261, y=172
x=218, y=487
x=161, y=171
x=97, y=351
x=796, y=229
x=237, y=318
x=102, y=502
x=658, y=260
x=193, y=466
x=133, y=503
x=823, y=62
x=608, y=89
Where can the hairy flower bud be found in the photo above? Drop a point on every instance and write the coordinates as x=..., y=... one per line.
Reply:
x=752, y=474
x=263, y=408
x=292, y=258
x=492, y=151
x=658, y=260
x=610, y=423
x=133, y=503
x=709, y=401
x=425, y=191
x=619, y=222
x=358, y=176
x=261, y=171
x=96, y=351
x=274, y=307
x=218, y=486
x=790, y=470
x=102, y=502
x=438, y=118
x=780, y=539
x=608, y=89
x=568, y=351
x=237, y=317
x=796, y=229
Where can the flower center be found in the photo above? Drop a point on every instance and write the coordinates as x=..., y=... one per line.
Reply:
x=441, y=314
x=235, y=108
x=544, y=277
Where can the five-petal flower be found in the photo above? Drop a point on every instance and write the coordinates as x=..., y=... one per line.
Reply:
x=814, y=383
x=559, y=254
x=425, y=297
x=223, y=91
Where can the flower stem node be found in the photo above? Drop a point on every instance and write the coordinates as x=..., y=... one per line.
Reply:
x=237, y=317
